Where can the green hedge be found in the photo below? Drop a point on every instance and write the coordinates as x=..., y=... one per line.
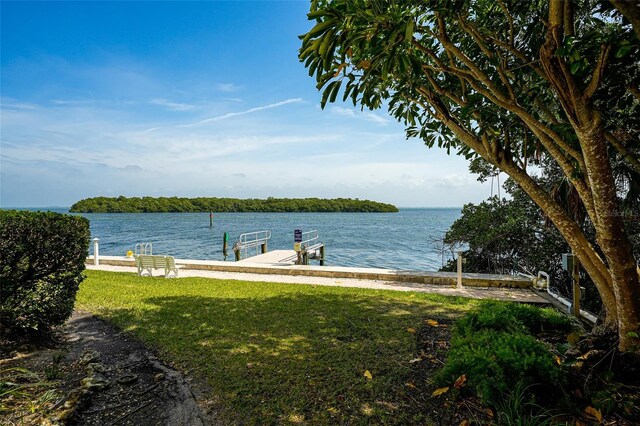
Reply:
x=495, y=347
x=42, y=256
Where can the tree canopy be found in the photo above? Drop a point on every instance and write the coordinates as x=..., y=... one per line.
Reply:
x=206, y=204
x=508, y=84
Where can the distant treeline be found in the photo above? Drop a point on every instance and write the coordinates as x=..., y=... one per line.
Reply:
x=205, y=204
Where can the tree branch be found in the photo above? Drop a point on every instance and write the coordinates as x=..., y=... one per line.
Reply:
x=598, y=72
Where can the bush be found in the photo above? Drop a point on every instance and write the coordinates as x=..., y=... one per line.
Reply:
x=514, y=317
x=42, y=256
x=495, y=362
x=494, y=348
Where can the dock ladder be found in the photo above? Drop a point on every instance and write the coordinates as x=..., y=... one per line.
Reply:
x=143, y=248
x=310, y=248
x=250, y=240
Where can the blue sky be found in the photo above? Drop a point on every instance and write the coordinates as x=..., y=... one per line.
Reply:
x=192, y=99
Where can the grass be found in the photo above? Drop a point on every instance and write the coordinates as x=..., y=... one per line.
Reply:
x=279, y=353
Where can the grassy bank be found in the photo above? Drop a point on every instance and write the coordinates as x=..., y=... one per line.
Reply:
x=279, y=352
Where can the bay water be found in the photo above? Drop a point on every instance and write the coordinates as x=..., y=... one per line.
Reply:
x=406, y=240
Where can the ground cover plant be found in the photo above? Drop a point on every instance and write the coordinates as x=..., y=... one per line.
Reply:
x=277, y=353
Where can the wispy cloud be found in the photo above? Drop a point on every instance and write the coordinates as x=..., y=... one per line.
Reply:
x=173, y=106
x=249, y=111
x=15, y=104
x=227, y=87
x=369, y=116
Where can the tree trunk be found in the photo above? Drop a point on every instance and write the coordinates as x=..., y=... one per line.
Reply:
x=610, y=233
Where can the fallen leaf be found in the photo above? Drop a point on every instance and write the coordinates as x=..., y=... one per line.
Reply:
x=440, y=391
x=411, y=330
x=573, y=338
x=432, y=323
x=366, y=409
x=460, y=381
x=413, y=361
x=410, y=385
x=593, y=412
x=332, y=410
x=558, y=360
x=465, y=423
x=489, y=412
x=368, y=375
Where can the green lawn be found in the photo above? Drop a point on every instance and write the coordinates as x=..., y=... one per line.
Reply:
x=277, y=353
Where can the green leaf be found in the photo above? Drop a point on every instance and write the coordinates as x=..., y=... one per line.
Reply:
x=632, y=334
x=575, y=67
x=408, y=33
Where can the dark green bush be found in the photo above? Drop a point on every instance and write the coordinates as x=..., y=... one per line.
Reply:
x=495, y=362
x=42, y=256
x=494, y=347
x=514, y=317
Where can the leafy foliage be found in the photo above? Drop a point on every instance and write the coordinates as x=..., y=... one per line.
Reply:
x=175, y=204
x=509, y=85
x=513, y=318
x=494, y=347
x=42, y=256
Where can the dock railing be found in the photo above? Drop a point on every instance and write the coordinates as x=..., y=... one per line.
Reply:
x=249, y=240
x=310, y=248
x=143, y=248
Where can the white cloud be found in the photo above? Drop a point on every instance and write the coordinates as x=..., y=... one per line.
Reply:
x=227, y=87
x=365, y=115
x=249, y=111
x=14, y=104
x=173, y=106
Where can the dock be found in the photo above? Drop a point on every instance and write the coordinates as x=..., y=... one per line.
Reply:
x=273, y=258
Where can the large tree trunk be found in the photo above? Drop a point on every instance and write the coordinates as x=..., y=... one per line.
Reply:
x=609, y=226
x=587, y=123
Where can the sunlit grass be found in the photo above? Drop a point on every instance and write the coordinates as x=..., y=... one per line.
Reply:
x=275, y=353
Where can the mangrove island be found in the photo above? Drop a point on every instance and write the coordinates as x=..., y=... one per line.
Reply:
x=226, y=205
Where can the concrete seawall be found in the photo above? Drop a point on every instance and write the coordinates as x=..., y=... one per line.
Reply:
x=254, y=266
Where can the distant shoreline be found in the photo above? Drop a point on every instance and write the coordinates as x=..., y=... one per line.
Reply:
x=228, y=205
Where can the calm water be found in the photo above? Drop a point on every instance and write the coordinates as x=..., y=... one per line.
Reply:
x=403, y=240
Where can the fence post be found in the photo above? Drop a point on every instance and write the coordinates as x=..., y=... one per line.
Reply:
x=459, y=283
x=96, y=252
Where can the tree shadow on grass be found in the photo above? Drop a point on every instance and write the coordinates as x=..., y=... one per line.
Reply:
x=293, y=357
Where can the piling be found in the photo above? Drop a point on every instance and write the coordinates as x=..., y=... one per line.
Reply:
x=96, y=252
x=225, y=242
x=210, y=219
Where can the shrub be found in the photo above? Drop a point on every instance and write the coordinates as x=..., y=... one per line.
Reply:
x=42, y=256
x=494, y=348
x=514, y=317
x=495, y=362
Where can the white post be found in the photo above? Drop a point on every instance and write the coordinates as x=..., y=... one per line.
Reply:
x=96, y=252
x=459, y=269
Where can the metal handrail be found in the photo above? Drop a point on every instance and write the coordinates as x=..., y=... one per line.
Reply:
x=309, y=236
x=257, y=239
x=251, y=239
x=143, y=248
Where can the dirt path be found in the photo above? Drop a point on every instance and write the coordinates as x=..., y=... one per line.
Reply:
x=104, y=377
x=139, y=389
